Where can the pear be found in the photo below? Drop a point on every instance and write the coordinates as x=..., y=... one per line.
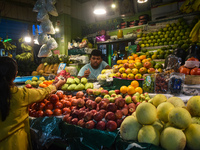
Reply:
x=71, y=87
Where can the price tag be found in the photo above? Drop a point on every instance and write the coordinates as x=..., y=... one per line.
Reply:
x=148, y=80
x=61, y=67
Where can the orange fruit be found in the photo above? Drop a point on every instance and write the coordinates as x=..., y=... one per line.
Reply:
x=119, y=62
x=135, y=55
x=123, y=89
x=130, y=90
x=135, y=83
x=139, y=90
x=142, y=57
x=124, y=61
x=130, y=57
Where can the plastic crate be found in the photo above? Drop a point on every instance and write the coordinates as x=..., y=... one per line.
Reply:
x=24, y=79
x=118, y=82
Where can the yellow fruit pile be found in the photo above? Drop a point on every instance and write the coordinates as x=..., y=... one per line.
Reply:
x=133, y=67
x=132, y=88
x=165, y=122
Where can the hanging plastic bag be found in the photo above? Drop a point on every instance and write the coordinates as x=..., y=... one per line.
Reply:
x=42, y=38
x=52, y=44
x=51, y=1
x=42, y=15
x=47, y=27
x=51, y=9
x=38, y=5
x=44, y=51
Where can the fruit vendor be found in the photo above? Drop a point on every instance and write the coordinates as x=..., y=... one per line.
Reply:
x=94, y=68
x=14, y=102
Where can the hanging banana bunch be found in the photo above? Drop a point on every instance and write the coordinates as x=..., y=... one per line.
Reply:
x=195, y=33
x=8, y=46
x=23, y=56
x=25, y=46
x=190, y=6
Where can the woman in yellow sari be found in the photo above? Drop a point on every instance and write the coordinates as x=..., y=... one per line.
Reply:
x=14, y=102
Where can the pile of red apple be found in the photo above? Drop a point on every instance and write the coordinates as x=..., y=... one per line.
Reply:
x=55, y=105
x=99, y=114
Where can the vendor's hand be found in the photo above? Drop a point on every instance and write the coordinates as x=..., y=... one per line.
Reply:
x=60, y=83
x=87, y=73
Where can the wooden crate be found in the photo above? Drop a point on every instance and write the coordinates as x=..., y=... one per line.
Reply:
x=192, y=79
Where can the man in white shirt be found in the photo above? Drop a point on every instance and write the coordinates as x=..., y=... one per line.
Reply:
x=94, y=68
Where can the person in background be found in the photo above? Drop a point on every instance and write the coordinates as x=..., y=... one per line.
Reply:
x=94, y=68
x=14, y=103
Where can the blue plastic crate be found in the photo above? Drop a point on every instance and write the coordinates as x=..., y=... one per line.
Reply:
x=24, y=78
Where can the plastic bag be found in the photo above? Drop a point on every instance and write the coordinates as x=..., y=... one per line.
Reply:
x=42, y=15
x=38, y=5
x=52, y=44
x=51, y=9
x=47, y=27
x=176, y=83
x=51, y=1
x=172, y=62
x=44, y=51
x=42, y=38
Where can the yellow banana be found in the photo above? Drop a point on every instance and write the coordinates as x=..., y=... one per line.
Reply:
x=196, y=5
x=195, y=29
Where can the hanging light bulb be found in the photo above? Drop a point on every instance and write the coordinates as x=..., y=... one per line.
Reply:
x=113, y=5
x=99, y=8
x=27, y=38
x=142, y=1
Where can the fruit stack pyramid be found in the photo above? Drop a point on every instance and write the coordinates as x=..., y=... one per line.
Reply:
x=49, y=65
x=176, y=32
x=76, y=84
x=135, y=66
x=165, y=122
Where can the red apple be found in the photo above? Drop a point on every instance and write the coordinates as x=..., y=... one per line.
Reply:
x=41, y=106
x=90, y=124
x=103, y=105
x=119, y=122
x=88, y=116
x=68, y=120
x=28, y=86
x=58, y=105
x=106, y=100
x=57, y=112
x=40, y=113
x=80, y=102
x=74, y=121
x=75, y=113
x=131, y=105
x=60, y=94
x=118, y=114
x=98, y=116
x=53, y=98
x=79, y=94
x=93, y=111
x=88, y=103
x=65, y=117
x=74, y=102
x=110, y=116
x=101, y=125
x=48, y=113
x=111, y=107
x=66, y=110
x=81, y=123
x=89, y=91
x=124, y=111
x=98, y=99
x=104, y=92
x=120, y=102
x=103, y=111
x=49, y=105
x=111, y=125
x=67, y=104
x=117, y=91
x=92, y=105
x=81, y=114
